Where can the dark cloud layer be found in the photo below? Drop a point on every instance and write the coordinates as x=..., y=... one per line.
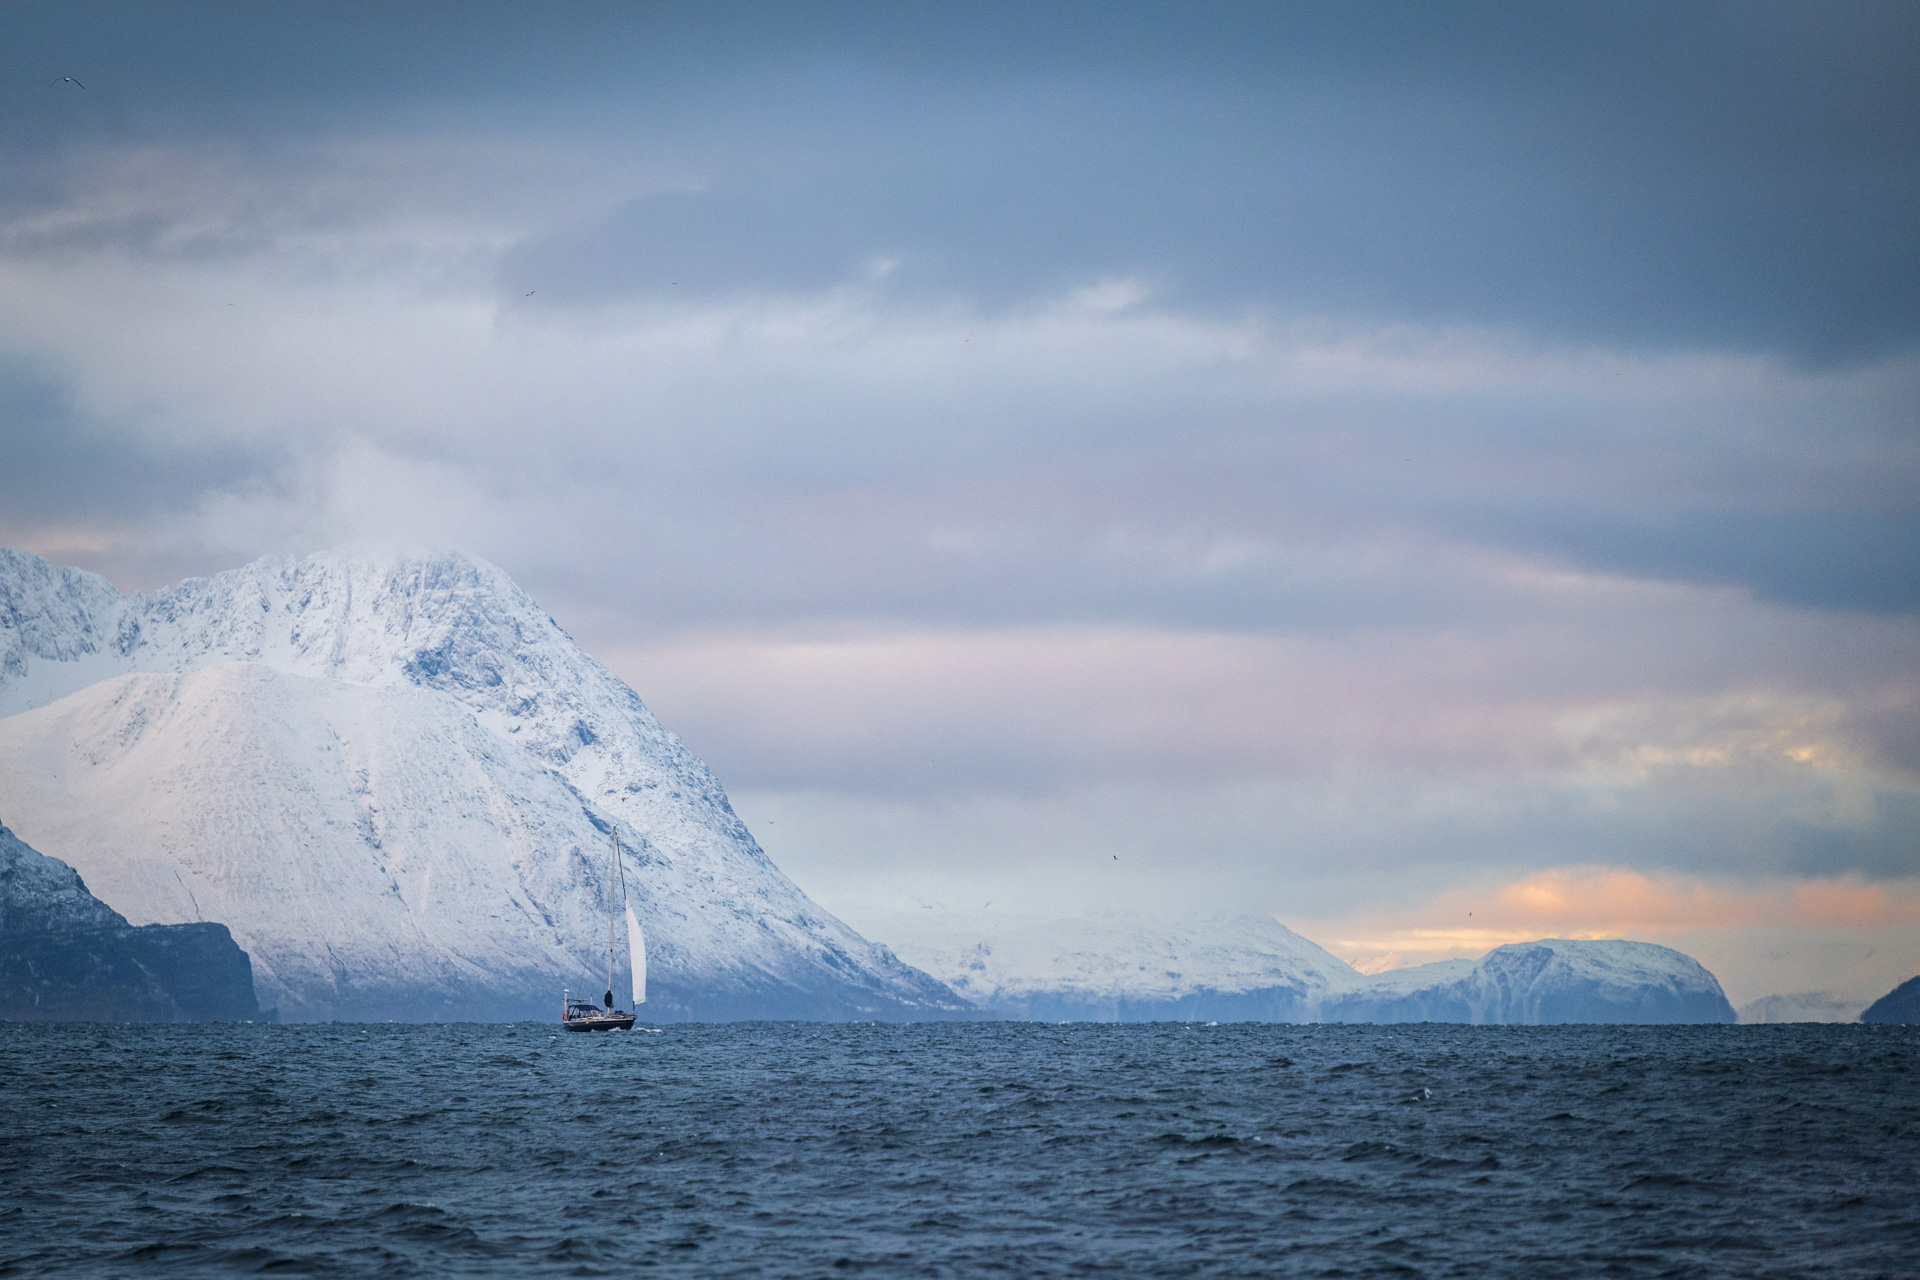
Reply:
x=1719, y=175
x=1824, y=560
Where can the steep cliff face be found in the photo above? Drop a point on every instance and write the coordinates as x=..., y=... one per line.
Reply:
x=396, y=780
x=65, y=956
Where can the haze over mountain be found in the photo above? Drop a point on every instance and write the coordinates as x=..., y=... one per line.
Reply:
x=395, y=779
x=1802, y=1006
x=1248, y=967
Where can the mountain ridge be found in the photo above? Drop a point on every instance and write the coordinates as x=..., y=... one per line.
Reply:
x=536, y=752
x=1899, y=1006
x=413, y=738
x=1250, y=967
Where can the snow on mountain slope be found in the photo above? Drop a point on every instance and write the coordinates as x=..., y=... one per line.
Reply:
x=1554, y=980
x=392, y=779
x=58, y=631
x=1252, y=968
x=39, y=894
x=1126, y=968
x=333, y=826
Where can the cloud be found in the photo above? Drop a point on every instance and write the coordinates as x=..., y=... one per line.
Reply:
x=1623, y=175
x=1843, y=933
x=1074, y=459
x=1598, y=902
x=73, y=480
x=1326, y=455
x=1040, y=708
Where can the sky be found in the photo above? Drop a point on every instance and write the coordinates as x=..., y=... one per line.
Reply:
x=1438, y=474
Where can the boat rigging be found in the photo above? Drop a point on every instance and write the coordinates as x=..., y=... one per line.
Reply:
x=585, y=1015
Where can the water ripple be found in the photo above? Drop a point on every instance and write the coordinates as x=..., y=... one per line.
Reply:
x=960, y=1150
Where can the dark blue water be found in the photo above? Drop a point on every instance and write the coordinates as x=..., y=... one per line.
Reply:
x=961, y=1150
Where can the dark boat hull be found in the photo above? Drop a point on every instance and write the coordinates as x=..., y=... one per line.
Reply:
x=608, y=1022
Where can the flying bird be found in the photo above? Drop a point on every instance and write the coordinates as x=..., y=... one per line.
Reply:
x=68, y=80
x=529, y=293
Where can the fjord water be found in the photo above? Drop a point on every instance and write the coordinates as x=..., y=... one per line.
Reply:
x=786, y=1149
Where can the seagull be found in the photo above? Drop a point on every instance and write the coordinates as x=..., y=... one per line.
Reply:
x=68, y=80
x=529, y=293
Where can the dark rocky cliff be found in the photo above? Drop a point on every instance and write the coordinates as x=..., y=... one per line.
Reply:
x=1902, y=1004
x=66, y=956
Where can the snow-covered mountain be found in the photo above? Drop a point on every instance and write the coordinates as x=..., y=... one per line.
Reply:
x=1252, y=968
x=1554, y=980
x=1124, y=967
x=394, y=779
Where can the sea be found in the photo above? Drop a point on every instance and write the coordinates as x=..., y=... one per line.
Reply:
x=959, y=1150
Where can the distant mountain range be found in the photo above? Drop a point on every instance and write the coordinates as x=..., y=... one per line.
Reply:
x=1240, y=967
x=396, y=781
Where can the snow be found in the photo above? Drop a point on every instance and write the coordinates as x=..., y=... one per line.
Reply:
x=1120, y=966
x=392, y=778
x=993, y=960
x=1553, y=980
x=1249, y=966
x=39, y=894
x=1419, y=977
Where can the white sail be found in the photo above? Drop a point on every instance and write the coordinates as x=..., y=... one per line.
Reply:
x=637, y=945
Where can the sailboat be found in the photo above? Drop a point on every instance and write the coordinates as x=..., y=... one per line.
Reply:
x=585, y=1015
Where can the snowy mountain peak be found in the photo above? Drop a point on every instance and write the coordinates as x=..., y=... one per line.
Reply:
x=1123, y=965
x=49, y=614
x=1553, y=980
x=395, y=778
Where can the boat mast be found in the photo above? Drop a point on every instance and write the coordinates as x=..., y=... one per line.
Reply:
x=613, y=869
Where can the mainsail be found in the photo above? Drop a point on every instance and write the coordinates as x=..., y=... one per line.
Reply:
x=581, y=1015
x=637, y=947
